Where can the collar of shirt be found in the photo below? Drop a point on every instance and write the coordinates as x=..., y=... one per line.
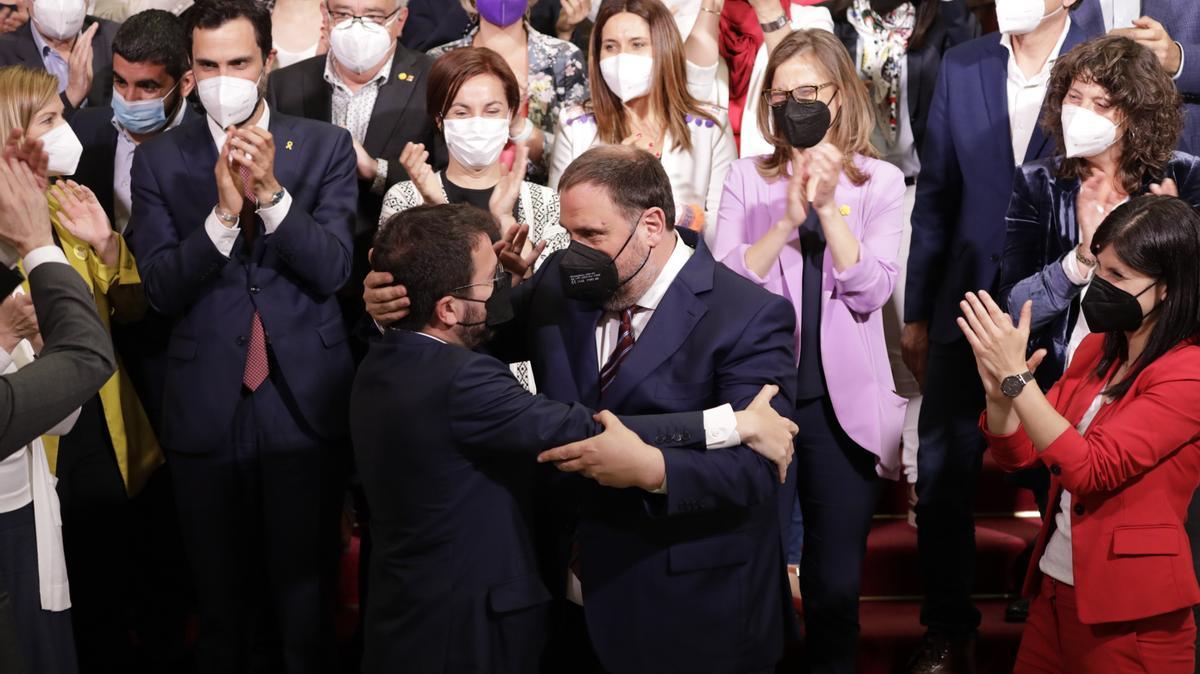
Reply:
x=1014, y=71
x=43, y=47
x=174, y=122
x=653, y=296
x=218, y=134
x=335, y=80
x=426, y=334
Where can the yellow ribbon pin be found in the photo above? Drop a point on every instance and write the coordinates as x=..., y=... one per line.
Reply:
x=844, y=210
x=289, y=145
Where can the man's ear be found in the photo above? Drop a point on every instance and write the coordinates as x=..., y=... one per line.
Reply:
x=655, y=222
x=187, y=84
x=398, y=24
x=444, y=313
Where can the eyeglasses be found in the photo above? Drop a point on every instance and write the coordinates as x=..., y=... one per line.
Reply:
x=338, y=17
x=500, y=277
x=802, y=93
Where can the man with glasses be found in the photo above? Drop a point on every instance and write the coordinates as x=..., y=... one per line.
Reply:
x=374, y=87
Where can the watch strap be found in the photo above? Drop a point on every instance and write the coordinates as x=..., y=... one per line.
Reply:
x=772, y=26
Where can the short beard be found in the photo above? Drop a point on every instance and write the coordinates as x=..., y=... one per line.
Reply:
x=636, y=286
x=475, y=336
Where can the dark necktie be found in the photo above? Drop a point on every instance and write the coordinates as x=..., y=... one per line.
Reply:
x=257, y=366
x=624, y=345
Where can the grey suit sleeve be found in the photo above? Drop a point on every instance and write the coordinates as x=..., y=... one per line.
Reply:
x=76, y=361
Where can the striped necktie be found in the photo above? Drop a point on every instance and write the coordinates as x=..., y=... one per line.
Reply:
x=257, y=365
x=624, y=345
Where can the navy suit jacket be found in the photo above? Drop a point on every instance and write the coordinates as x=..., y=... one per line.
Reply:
x=445, y=441
x=433, y=23
x=1182, y=22
x=290, y=277
x=18, y=49
x=1041, y=231
x=693, y=580
x=966, y=180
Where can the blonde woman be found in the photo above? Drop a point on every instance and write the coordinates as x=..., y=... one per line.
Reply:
x=113, y=451
x=819, y=221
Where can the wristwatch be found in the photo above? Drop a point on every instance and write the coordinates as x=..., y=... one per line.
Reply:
x=526, y=132
x=230, y=219
x=275, y=199
x=1013, y=385
x=775, y=25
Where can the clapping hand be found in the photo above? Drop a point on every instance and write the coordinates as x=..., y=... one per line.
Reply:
x=615, y=458
x=515, y=255
x=254, y=148
x=1095, y=201
x=18, y=321
x=23, y=149
x=24, y=213
x=508, y=190
x=415, y=160
x=82, y=215
x=766, y=432
x=367, y=169
x=79, y=67
x=797, y=192
x=1166, y=188
x=13, y=17
x=573, y=12
x=824, y=172
x=998, y=343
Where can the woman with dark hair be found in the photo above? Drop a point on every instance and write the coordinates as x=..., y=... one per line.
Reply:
x=1112, y=571
x=818, y=221
x=645, y=93
x=1116, y=118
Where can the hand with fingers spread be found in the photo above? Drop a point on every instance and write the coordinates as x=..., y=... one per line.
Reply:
x=999, y=343
x=23, y=149
x=254, y=148
x=386, y=302
x=18, y=321
x=415, y=160
x=766, y=432
x=79, y=65
x=615, y=458
x=516, y=255
x=24, y=212
x=82, y=215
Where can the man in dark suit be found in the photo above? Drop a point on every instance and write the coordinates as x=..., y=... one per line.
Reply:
x=978, y=111
x=689, y=577
x=75, y=48
x=434, y=23
x=245, y=258
x=456, y=487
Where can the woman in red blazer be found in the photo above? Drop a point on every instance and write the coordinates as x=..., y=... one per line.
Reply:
x=1120, y=432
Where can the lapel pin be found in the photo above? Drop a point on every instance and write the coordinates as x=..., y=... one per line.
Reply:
x=844, y=210
x=289, y=145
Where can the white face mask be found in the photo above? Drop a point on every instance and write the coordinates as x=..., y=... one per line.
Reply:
x=228, y=100
x=476, y=142
x=63, y=148
x=59, y=19
x=1018, y=17
x=628, y=75
x=359, y=45
x=1085, y=133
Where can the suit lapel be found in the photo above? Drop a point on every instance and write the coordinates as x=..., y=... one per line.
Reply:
x=993, y=77
x=286, y=148
x=318, y=94
x=391, y=102
x=198, y=153
x=579, y=337
x=28, y=51
x=1038, y=141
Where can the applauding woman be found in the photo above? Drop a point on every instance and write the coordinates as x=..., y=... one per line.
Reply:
x=1112, y=570
x=1116, y=118
x=640, y=82
x=819, y=222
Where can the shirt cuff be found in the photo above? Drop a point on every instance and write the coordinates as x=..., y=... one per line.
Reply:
x=274, y=215
x=720, y=428
x=42, y=255
x=381, y=174
x=1076, y=275
x=222, y=237
x=1182, y=59
x=6, y=359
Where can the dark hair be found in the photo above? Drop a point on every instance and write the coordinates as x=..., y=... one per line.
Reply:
x=928, y=12
x=1138, y=86
x=154, y=36
x=633, y=178
x=212, y=14
x=454, y=68
x=427, y=249
x=1158, y=236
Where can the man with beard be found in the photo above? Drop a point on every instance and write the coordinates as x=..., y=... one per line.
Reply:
x=446, y=439
x=241, y=227
x=636, y=317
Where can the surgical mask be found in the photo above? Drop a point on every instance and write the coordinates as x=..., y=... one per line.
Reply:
x=628, y=75
x=803, y=123
x=59, y=19
x=145, y=116
x=1107, y=308
x=228, y=100
x=63, y=148
x=476, y=142
x=505, y=12
x=1085, y=133
x=590, y=276
x=1018, y=17
x=498, y=306
x=360, y=45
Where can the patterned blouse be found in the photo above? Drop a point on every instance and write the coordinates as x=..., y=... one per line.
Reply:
x=557, y=80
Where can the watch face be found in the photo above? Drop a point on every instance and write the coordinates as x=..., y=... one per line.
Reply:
x=1012, y=386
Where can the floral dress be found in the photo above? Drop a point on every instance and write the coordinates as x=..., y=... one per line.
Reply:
x=557, y=80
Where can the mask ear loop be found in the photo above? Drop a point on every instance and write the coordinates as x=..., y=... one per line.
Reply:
x=644, y=260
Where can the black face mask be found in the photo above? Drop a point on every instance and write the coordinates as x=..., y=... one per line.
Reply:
x=804, y=124
x=1107, y=308
x=885, y=7
x=591, y=276
x=498, y=307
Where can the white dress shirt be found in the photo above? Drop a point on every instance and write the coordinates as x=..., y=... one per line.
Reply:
x=224, y=237
x=1057, y=559
x=123, y=164
x=352, y=110
x=1025, y=95
x=1120, y=13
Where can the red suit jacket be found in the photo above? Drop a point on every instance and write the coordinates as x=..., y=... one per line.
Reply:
x=1131, y=477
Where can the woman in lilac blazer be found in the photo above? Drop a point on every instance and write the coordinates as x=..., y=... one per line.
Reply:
x=822, y=226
